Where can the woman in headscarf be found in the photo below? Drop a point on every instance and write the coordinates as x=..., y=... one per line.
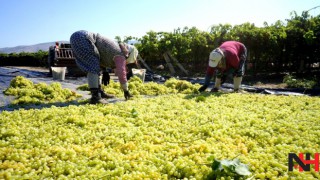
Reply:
x=94, y=52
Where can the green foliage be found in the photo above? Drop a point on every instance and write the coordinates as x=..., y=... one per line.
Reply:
x=229, y=168
x=274, y=48
x=187, y=45
x=134, y=113
x=293, y=82
x=24, y=59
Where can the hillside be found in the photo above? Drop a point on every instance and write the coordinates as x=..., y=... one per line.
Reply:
x=37, y=47
x=29, y=48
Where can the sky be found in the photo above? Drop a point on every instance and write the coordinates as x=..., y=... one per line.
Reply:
x=29, y=22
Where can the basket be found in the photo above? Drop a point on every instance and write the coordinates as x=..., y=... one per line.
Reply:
x=141, y=73
x=58, y=73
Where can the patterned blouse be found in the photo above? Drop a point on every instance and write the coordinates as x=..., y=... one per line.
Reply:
x=93, y=52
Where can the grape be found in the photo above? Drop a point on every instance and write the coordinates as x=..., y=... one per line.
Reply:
x=171, y=136
x=27, y=92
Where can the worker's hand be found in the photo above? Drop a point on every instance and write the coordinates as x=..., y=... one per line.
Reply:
x=127, y=95
x=202, y=88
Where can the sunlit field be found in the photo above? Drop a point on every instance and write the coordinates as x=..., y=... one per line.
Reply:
x=177, y=134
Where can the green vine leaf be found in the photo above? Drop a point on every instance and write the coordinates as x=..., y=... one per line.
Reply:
x=230, y=168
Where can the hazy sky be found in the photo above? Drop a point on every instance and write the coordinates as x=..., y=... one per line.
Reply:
x=28, y=22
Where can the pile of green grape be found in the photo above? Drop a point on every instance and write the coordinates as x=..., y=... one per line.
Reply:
x=171, y=136
x=138, y=88
x=27, y=92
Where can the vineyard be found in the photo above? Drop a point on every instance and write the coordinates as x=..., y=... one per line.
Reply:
x=167, y=131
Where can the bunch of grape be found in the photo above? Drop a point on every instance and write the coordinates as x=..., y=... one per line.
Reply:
x=167, y=137
x=173, y=136
x=137, y=87
x=27, y=92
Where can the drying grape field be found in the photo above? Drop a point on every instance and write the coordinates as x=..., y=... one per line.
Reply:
x=167, y=131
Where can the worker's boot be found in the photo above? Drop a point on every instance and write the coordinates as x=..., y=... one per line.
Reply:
x=217, y=85
x=236, y=83
x=104, y=94
x=96, y=97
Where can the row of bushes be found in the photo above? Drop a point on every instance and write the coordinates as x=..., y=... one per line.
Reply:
x=37, y=59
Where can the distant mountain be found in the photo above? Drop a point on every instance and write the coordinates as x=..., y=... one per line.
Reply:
x=30, y=48
x=41, y=46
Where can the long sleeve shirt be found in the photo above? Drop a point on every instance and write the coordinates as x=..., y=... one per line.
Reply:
x=93, y=51
x=234, y=52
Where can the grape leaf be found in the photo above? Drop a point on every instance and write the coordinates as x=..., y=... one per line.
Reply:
x=243, y=170
x=134, y=113
x=230, y=167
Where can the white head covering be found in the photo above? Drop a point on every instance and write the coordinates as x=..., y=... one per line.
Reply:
x=215, y=57
x=133, y=54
